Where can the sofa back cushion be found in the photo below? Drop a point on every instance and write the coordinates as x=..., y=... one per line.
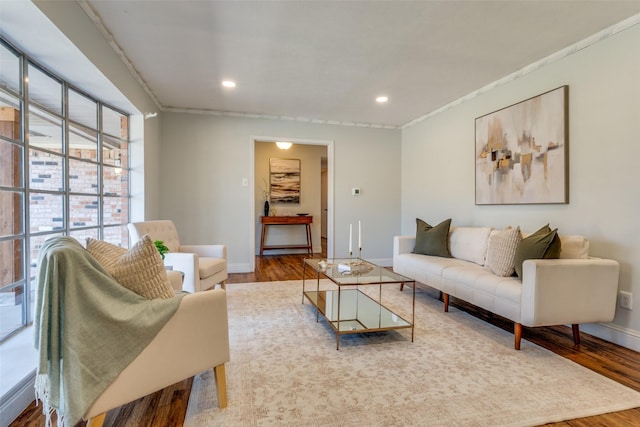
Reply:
x=469, y=243
x=574, y=247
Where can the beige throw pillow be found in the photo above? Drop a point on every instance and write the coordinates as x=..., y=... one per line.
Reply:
x=139, y=269
x=107, y=254
x=501, y=253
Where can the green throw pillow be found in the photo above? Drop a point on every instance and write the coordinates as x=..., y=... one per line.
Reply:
x=543, y=244
x=432, y=240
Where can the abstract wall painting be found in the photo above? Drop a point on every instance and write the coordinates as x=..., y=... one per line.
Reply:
x=521, y=152
x=284, y=180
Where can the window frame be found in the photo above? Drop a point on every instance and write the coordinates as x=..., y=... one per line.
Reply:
x=67, y=227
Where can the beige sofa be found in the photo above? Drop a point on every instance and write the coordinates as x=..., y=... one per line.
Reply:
x=574, y=289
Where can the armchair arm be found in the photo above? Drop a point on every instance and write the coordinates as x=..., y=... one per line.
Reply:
x=195, y=339
x=186, y=263
x=213, y=251
x=175, y=279
x=569, y=291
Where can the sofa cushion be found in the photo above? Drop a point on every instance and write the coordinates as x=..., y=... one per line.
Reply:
x=432, y=240
x=501, y=253
x=544, y=243
x=574, y=247
x=139, y=269
x=424, y=268
x=469, y=243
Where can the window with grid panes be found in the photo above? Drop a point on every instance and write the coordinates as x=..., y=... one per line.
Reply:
x=62, y=172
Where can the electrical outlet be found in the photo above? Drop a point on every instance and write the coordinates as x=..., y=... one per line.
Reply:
x=625, y=300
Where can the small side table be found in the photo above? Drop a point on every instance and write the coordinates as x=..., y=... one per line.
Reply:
x=286, y=220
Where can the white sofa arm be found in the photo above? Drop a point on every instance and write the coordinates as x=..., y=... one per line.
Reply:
x=569, y=291
x=213, y=251
x=403, y=244
x=182, y=348
x=186, y=263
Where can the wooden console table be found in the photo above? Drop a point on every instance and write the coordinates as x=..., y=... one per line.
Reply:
x=286, y=220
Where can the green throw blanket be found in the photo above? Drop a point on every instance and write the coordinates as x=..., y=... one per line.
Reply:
x=88, y=328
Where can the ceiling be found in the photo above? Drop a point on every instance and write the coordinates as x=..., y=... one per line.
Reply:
x=327, y=61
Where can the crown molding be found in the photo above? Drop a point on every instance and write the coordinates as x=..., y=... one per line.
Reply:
x=276, y=117
x=570, y=50
x=95, y=18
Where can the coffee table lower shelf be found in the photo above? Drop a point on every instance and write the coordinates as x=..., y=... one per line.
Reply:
x=351, y=311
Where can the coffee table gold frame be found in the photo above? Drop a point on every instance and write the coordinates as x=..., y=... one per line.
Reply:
x=349, y=310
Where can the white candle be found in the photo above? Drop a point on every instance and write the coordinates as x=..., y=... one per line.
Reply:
x=359, y=235
x=350, y=251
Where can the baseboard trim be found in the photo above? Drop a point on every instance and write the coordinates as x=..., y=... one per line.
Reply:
x=613, y=333
x=17, y=399
x=383, y=262
x=238, y=268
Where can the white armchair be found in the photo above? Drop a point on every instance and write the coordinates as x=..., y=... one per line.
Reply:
x=203, y=266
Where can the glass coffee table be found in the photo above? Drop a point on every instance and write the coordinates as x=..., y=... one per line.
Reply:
x=349, y=310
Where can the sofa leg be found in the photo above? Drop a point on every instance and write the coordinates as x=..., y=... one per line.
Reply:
x=221, y=385
x=445, y=299
x=576, y=333
x=401, y=286
x=97, y=421
x=517, y=334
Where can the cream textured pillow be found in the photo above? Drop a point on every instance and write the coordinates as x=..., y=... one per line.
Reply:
x=107, y=254
x=139, y=269
x=501, y=252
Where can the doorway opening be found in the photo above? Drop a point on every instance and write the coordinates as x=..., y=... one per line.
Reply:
x=316, y=175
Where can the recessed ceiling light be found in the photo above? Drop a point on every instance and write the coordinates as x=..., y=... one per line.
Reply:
x=228, y=83
x=382, y=99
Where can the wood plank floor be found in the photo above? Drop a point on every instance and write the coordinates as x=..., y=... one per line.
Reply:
x=167, y=407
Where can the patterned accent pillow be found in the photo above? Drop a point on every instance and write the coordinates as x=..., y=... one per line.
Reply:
x=501, y=253
x=107, y=254
x=139, y=269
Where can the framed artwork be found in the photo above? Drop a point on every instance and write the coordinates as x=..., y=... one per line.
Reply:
x=521, y=153
x=284, y=180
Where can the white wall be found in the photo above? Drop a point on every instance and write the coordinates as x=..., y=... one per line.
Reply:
x=204, y=159
x=604, y=127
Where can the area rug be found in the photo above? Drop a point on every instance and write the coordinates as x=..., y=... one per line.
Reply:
x=459, y=371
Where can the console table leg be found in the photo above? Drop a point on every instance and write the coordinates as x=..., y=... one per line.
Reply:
x=262, y=239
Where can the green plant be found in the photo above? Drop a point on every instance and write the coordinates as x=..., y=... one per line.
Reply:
x=160, y=246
